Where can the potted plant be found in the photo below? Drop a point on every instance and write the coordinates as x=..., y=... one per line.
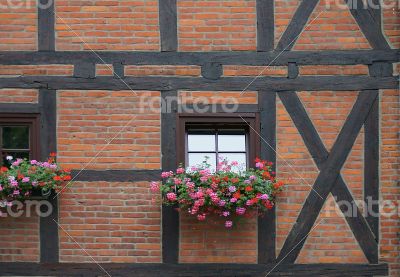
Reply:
x=26, y=179
x=230, y=192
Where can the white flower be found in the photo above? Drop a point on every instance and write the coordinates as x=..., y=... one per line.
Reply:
x=9, y=158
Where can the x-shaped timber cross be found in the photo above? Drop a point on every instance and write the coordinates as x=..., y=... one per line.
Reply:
x=329, y=178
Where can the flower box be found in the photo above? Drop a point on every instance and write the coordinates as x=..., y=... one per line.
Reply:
x=31, y=180
x=229, y=193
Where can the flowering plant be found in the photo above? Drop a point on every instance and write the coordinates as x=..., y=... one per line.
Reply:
x=25, y=177
x=228, y=193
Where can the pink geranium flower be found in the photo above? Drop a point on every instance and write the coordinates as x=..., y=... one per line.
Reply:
x=171, y=196
x=228, y=224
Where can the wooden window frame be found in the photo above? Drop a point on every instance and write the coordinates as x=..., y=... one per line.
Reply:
x=249, y=121
x=31, y=120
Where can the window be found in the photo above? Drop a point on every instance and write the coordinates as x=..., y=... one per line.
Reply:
x=18, y=137
x=217, y=137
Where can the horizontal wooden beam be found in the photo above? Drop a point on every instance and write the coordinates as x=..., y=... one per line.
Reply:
x=340, y=57
x=19, y=108
x=149, y=270
x=317, y=83
x=116, y=175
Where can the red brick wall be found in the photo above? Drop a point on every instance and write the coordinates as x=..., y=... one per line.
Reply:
x=391, y=22
x=242, y=70
x=18, y=25
x=118, y=222
x=112, y=222
x=19, y=237
x=107, y=25
x=18, y=95
x=389, y=176
x=218, y=97
x=51, y=69
x=333, y=70
x=211, y=242
x=109, y=130
x=331, y=27
x=213, y=25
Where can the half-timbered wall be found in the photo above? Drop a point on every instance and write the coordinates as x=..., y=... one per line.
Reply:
x=318, y=74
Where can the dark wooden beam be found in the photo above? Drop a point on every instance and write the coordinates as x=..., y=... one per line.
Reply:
x=380, y=69
x=168, y=25
x=119, y=70
x=317, y=83
x=293, y=70
x=296, y=25
x=19, y=108
x=217, y=108
x=130, y=175
x=333, y=57
x=267, y=223
x=85, y=70
x=46, y=33
x=49, y=250
x=368, y=24
x=314, y=144
x=170, y=217
x=265, y=25
x=326, y=179
x=198, y=270
x=211, y=70
x=371, y=168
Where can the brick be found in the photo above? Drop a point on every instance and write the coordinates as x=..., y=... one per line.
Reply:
x=331, y=26
x=226, y=19
x=106, y=121
x=19, y=95
x=18, y=21
x=97, y=25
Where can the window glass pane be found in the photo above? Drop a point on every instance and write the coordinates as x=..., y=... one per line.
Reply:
x=197, y=142
x=231, y=143
x=196, y=159
x=15, y=155
x=238, y=157
x=16, y=137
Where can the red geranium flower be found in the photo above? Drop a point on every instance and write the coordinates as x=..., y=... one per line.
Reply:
x=3, y=169
x=248, y=188
x=57, y=178
x=237, y=195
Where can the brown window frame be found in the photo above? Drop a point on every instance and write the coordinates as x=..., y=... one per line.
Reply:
x=31, y=120
x=248, y=121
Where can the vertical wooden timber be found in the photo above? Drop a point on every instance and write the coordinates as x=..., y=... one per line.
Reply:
x=46, y=33
x=371, y=168
x=265, y=25
x=168, y=25
x=170, y=217
x=49, y=248
x=266, y=224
